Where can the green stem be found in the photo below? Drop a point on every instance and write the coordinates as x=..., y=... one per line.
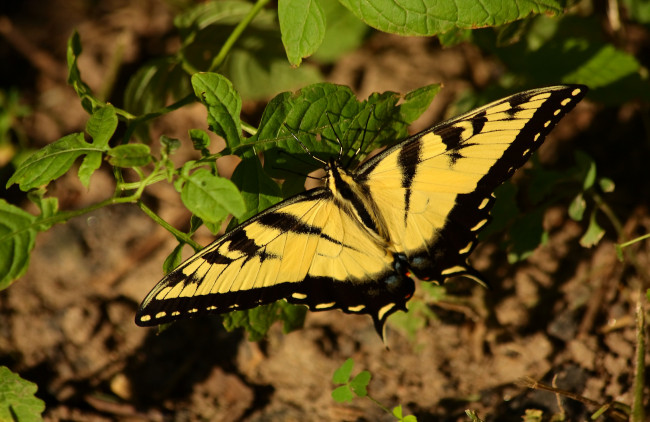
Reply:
x=182, y=237
x=252, y=130
x=64, y=216
x=385, y=409
x=235, y=34
x=135, y=121
x=605, y=208
x=633, y=241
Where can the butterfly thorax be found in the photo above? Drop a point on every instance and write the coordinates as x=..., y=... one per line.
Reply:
x=354, y=199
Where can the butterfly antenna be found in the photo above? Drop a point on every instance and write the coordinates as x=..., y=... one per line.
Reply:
x=363, y=137
x=297, y=159
x=338, y=140
x=297, y=173
x=304, y=147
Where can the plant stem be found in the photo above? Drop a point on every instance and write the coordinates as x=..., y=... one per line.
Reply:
x=235, y=34
x=64, y=216
x=182, y=237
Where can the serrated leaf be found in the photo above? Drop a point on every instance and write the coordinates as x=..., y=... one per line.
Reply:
x=302, y=24
x=256, y=321
x=212, y=198
x=53, y=160
x=342, y=374
x=17, y=399
x=360, y=383
x=593, y=234
x=223, y=103
x=129, y=155
x=17, y=238
x=334, y=112
x=429, y=17
x=343, y=394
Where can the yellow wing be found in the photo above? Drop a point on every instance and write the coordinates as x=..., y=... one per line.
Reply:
x=305, y=249
x=435, y=189
x=417, y=207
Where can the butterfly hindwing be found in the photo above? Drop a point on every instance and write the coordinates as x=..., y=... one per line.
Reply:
x=435, y=188
x=306, y=250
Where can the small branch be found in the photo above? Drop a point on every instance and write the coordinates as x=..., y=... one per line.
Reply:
x=236, y=33
x=182, y=237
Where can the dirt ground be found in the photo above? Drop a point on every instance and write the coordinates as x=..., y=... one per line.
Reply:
x=565, y=316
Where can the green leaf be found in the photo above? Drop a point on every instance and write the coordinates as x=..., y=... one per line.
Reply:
x=342, y=374
x=174, y=259
x=637, y=10
x=292, y=316
x=256, y=321
x=17, y=236
x=259, y=72
x=333, y=112
x=258, y=190
x=302, y=24
x=606, y=184
x=53, y=160
x=129, y=155
x=101, y=127
x=154, y=83
x=170, y=145
x=344, y=32
x=593, y=234
x=526, y=234
x=200, y=139
x=223, y=103
x=587, y=168
x=17, y=399
x=343, y=394
x=360, y=383
x=48, y=207
x=603, y=67
x=257, y=64
x=212, y=198
x=577, y=207
x=88, y=100
x=417, y=17
x=417, y=102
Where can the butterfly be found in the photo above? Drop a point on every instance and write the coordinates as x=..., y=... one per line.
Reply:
x=354, y=244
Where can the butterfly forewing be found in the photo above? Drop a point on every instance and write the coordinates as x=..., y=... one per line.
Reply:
x=435, y=189
x=305, y=250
